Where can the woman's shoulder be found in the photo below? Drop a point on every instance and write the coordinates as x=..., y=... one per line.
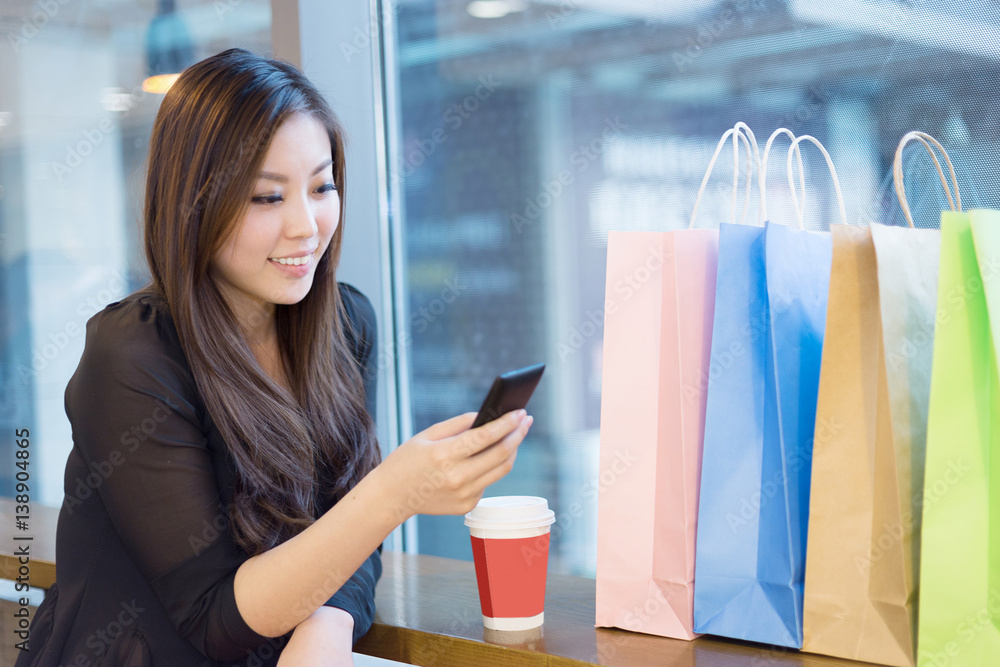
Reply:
x=137, y=325
x=133, y=342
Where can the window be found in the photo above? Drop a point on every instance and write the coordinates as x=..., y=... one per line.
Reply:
x=529, y=129
x=74, y=131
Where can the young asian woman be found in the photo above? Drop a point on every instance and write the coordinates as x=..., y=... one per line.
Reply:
x=225, y=498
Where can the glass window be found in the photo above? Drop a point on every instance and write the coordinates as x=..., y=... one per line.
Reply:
x=75, y=120
x=529, y=129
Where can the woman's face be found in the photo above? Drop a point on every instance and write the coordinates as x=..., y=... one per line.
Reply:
x=294, y=211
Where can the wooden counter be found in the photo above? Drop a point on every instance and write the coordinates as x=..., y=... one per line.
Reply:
x=42, y=546
x=428, y=614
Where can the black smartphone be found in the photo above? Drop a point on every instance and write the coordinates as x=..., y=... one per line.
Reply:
x=510, y=391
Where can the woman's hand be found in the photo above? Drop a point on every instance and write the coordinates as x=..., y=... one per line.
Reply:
x=445, y=468
x=441, y=470
x=322, y=640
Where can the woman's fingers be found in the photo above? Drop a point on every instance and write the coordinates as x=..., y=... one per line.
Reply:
x=495, y=457
x=450, y=471
x=477, y=439
x=496, y=472
x=450, y=427
x=510, y=445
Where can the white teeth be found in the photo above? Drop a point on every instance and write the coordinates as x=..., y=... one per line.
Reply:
x=294, y=261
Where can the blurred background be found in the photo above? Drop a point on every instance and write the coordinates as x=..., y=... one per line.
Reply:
x=518, y=133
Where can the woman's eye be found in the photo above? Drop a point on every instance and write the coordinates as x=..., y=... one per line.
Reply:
x=272, y=199
x=266, y=199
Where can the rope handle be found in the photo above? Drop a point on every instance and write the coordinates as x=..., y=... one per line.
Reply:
x=756, y=162
x=762, y=179
x=897, y=172
x=737, y=134
x=800, y=212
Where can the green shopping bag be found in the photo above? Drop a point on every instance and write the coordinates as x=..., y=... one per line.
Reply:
x=959, y=620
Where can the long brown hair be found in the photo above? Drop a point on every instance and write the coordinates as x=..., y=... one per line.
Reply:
x=208, y=145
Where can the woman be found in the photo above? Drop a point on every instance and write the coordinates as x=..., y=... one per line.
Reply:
x=225, y=503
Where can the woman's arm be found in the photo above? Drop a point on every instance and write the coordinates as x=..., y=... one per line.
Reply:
x=322, y=639
x=357, y=595
x=164, y=492
x=441, y=470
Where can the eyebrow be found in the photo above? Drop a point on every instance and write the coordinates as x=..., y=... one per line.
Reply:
x=280, y=178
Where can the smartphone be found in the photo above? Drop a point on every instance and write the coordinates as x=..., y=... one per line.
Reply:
x=510, y=391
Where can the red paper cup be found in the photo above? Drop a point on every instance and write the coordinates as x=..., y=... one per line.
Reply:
x=510, y=544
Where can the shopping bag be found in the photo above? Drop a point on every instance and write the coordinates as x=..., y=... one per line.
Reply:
x=864, y=517
x=767, y=339
x=660, y=293
x=860, y=568
x=959, y=620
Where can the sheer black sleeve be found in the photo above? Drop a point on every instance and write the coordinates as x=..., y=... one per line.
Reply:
x=357, y=595
x=133, y=401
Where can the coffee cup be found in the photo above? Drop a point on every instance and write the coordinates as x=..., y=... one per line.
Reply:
x=510, y=546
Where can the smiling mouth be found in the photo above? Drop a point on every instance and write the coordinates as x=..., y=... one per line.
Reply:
x=291, y=261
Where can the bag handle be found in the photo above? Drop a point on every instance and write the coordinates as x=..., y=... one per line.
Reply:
x=800, y=212
x=762, y=179
x=897, y=172
x=740, y=125
x=738, y=134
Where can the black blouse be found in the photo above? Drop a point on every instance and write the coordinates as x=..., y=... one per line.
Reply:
x=145, y=561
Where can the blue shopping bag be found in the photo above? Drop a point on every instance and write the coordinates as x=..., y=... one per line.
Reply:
x=767, y=339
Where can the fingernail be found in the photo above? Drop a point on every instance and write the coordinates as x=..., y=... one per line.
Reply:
x=521, y=413
x=531, y=420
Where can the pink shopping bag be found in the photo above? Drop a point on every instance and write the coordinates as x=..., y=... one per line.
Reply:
x=659, y=305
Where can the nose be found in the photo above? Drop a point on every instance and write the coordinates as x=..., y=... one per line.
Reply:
x=300, y=219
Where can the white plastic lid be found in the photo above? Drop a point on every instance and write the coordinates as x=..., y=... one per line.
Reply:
x=510, y=513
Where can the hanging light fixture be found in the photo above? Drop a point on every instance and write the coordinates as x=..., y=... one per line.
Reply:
x=168, y=48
